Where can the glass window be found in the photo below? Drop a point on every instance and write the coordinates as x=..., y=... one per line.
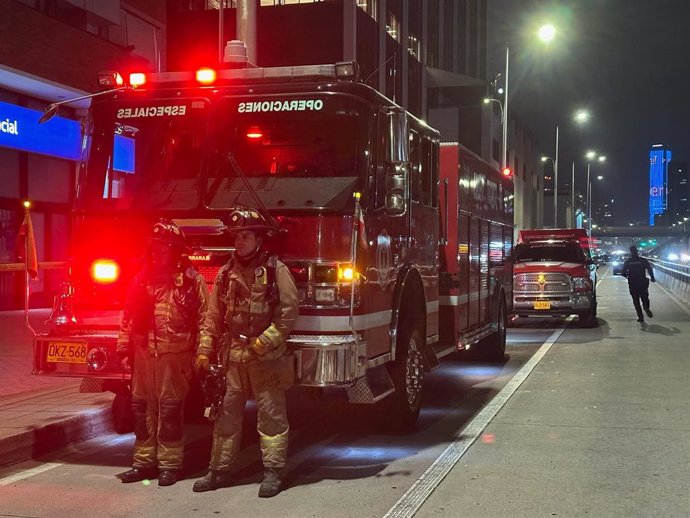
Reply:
x=144, y=153
x=306, y=139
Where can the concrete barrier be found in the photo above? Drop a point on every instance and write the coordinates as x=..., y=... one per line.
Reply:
x=674, y=277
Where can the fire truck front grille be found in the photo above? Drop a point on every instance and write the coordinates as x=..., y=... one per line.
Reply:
x=542, y=283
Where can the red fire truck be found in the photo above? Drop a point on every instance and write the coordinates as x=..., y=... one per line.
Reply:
x=399, y=245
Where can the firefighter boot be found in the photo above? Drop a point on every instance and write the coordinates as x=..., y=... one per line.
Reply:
x=137, y=475
x=272, y=483
x=167, y=478
x=212, y=480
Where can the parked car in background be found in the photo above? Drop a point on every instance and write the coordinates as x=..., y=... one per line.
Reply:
x=617, y=263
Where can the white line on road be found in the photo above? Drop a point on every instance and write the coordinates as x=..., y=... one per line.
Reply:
x=29, y=473
x=51, y=465
x=413, y=499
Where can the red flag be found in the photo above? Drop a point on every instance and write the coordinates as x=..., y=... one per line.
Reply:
x=26, y=245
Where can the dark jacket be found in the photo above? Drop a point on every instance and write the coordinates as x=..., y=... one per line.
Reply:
x=634, y=269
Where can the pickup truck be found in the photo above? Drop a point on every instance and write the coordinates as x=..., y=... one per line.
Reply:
x=554, y=275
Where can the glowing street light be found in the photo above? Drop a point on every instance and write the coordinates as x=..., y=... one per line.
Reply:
x=547, y=33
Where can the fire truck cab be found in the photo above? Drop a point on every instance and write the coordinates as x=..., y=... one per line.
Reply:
x=399, y=246
x=554, y=275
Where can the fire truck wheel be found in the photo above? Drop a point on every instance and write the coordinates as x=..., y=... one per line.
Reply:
x=123, y=417
x=494, y=346
x=407, y=373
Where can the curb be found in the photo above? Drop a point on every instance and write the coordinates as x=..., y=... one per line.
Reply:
x=33, y=443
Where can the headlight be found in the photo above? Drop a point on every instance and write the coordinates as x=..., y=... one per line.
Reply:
x=324, y=295
x=582, y=283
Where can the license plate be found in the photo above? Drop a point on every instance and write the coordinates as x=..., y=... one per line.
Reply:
x=66, y=352
x=542, y=304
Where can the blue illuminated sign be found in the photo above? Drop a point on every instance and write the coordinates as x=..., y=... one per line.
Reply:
x=659, y=157
x=123, y=154
x=58, y=137
x=19, y=129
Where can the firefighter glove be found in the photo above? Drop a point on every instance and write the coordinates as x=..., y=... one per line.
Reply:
x=201, y=364
x=258, y=346
x=125, y=360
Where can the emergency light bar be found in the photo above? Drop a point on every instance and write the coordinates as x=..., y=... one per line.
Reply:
x=347, y=71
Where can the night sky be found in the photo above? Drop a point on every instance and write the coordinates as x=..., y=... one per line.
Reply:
x=626, y=61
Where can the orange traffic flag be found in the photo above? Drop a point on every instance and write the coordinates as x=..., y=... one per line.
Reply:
x=26, y=245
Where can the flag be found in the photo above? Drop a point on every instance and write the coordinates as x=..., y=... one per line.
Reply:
x=26, y=245
x=361, y=229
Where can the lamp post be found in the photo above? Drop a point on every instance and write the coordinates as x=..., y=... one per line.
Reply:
x=541, y=207
x=504, y=125
x=591, y=155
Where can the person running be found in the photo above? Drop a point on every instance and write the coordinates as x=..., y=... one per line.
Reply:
x=634, y=269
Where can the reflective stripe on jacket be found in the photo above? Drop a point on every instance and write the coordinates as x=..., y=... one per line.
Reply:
x=243, y=308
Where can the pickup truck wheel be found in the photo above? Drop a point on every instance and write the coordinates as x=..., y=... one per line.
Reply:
x=407, y=373
x=123, y=417
x=588, y=318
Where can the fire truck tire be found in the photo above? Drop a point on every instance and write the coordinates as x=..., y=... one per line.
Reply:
x=494, y=347
x=407, y=373
x=123, y=417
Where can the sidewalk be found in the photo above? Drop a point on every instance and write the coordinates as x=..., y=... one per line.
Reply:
x=40, y=413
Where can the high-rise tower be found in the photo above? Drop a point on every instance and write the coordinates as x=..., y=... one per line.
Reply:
x=659, y=158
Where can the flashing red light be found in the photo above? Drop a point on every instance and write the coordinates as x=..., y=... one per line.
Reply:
x=254, y=133
x=507, y=172
x=105, y=271
x=137, y=79
x=206, y=76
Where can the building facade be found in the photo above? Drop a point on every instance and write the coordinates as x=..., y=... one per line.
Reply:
x=52, y=51
x=659, y=159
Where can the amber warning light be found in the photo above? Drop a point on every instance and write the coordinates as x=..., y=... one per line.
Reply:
x=105, y=271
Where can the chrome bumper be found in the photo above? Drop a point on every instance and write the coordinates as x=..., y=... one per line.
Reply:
x=323, y=361
x=560, y=304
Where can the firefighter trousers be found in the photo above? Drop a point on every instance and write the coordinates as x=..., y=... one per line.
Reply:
x=159, y=388
x=267, y=381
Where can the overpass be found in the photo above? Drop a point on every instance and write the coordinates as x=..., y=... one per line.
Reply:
x=641, y=232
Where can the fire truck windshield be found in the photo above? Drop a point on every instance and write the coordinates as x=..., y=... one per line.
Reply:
x=144, y=153
x=297, y=151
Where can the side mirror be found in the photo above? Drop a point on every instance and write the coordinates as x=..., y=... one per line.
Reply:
x=397, y=162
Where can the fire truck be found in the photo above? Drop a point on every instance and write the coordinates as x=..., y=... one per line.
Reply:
x=399, y=245
x=554, y=275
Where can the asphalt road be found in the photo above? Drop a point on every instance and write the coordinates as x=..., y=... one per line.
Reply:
x=342, y=464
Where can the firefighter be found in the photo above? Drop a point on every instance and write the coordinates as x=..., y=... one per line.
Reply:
x=634, y=269
x=158, y=335
x=252, y=309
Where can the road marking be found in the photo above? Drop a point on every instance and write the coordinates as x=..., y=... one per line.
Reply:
x=415, y=497
x=29, y=473
x=52, y=465
x=673, y=298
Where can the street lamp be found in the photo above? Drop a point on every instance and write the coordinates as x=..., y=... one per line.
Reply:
x=581, y=117
x=546, y=33
x=504, y=125
x=591, y=155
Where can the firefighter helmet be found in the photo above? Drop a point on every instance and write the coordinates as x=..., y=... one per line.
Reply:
x=165, y=231
x=248, y=219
